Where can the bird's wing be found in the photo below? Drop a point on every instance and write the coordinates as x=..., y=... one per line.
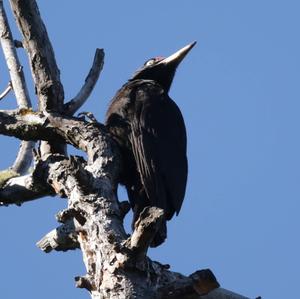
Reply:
x=159, y=145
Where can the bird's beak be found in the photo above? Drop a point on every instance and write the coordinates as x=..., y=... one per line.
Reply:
x=178, y=56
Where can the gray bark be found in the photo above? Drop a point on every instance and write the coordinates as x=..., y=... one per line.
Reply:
x=41, y=56
x=45, y=72
x=18, y=84
x=117, y=265
x=13, y=64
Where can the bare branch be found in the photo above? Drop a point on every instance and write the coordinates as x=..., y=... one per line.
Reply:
x=21, y=189
x=197, y=284
x=85, y=282
x=6, y=175
x=14, y=66
x=200, y=285
x=145, y=229
x=60, y=239
x=204, y=281
x=42, y=62
x=24, y=157
x=6, y=91
x=29, y=125
x=90, y=82
x=24, y=124
x=41, y=56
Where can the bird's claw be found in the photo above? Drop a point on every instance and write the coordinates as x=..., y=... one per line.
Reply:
x=89, y=115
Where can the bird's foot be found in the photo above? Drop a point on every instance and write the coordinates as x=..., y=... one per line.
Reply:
x=89, y=115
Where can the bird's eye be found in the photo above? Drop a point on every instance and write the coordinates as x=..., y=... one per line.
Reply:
x=150, y=62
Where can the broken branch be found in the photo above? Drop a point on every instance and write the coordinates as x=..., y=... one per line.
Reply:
x=62, y=238
x=145, y=229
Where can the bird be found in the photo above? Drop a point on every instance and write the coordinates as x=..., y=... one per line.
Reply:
x=150, y=131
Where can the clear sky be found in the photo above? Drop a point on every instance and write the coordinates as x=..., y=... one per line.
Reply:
x=239, y=93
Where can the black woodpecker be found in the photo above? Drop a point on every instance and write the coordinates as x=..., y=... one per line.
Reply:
x=149, y=128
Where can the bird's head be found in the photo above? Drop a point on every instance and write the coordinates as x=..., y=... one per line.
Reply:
x=162, y=69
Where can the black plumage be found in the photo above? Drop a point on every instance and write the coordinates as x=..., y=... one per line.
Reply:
x=150, y=130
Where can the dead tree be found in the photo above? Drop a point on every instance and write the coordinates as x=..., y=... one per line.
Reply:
x=117, y=264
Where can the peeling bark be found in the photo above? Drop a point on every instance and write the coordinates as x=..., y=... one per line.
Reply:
x=42, y=61
x=116, y=263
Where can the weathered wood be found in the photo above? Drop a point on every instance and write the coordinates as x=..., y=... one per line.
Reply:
x=42, y=61
x=113, y=268
x=12, y=61
x=72, y=106
x=62, y=238
x=6, y=91
x=24, y=156
x=21, y=189
x=45, y=72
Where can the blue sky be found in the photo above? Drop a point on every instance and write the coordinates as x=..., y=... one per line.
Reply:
x=239, y=93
